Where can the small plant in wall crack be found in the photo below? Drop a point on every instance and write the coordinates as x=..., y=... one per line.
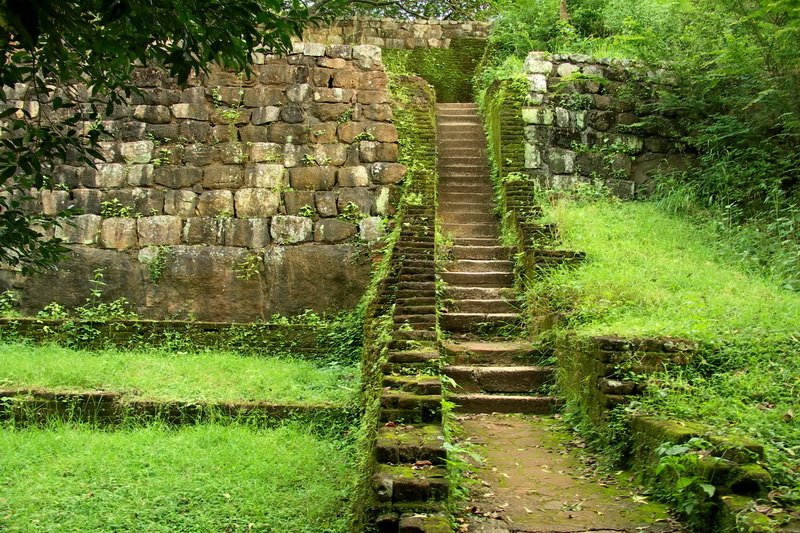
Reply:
x=250, y=267
x=351, y=213
x=157, y=265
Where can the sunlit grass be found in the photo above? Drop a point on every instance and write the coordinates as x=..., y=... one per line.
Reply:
x=156, y=375
x=204, y=478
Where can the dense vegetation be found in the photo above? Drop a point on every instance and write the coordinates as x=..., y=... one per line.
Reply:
x=738, y=65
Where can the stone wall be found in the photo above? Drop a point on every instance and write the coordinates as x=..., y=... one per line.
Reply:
x=397, y=33
x=594, y=121
x=233, y=198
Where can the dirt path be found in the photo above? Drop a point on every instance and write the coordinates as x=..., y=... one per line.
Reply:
x=536, y=478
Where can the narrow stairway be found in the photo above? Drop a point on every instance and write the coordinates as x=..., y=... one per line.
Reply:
x=477, y=304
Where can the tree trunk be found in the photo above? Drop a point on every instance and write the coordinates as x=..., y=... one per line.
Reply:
x=564, y=12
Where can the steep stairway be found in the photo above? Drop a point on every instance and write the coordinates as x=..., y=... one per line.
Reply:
x=477, y=300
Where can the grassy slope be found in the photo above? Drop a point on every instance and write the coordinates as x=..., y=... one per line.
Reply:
x=205, y=478
x=204, y=376
x=652, y=274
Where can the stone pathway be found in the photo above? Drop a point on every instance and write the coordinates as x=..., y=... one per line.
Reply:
x=536, y=479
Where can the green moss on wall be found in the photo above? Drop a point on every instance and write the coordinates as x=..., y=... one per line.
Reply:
x=450, y=70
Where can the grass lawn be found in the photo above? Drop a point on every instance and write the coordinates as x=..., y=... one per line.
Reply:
x=204, y=478
x=176, y=376
x=649, y=273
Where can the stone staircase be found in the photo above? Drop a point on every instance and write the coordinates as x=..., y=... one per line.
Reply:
x=477, y=299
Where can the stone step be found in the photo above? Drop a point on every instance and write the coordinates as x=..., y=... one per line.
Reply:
x=464, y=173
x=463, y=206
x=465, y=186
x=403, y=295
x=478, y=322
x=479, y=265
x=406, y=309
x=454, y=292
x=494, y=353
x=413, y=356
x=475, y=197
x=506, y=379
x=478, y=279
x=415, y=301
x=475, y=241
x=482, y=252
x=495, y=403
x=413, y=335
x=471, y=230
x=409, y=444
x=423, y=386
x=414, y=319
x=445, y=145
x=416, y=285
x=454, y=150
x=466, y=217
x=404, y=484
x=480, y=306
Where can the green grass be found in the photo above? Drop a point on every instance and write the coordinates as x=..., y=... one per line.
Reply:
x=649, y=273
x=176, y=376
x=205, y=478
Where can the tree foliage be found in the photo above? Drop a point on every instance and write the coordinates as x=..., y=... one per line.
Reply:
x=52, y=50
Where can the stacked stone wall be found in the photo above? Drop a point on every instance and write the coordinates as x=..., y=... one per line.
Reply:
x=594, y=121
x=397, y=33
x=228, y=189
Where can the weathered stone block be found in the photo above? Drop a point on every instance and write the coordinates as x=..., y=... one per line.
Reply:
x=330, y=230
x=368, y=56
x=194, y=131
x=314, y=49
x=287, y=133
x=291, y=229
x=536, y=64
x=537, y=83
x=190, y=111
x=88, y=200
x=385, y=133
x=326, y=204
x=312, y=178
x=358, y=196
x=372, y=229
x=262, y=96
x=108, y=175
x=202, y=230
x=159, y=230
x=332, y=95
x=137, y=152
x=53, y=202
x=118, y=233
x=353, y=177
x=177, y=177
x=152, y=114
x=292, y=114
x=348, y=131
x=193, y=95
x=561, y=161
x=378, y=112
x=265, y=115
x=213, y=203
x=82, y=229
x=537, y=115
x=387, y=173
x=329, y=112
x=180, y=203
x=265, y=175
x=199, y=155
x=279, y=75
x=262, y=152
x=295, y=201
x=533, y=156
x=253, y=134
x=223, y=177
x=232, y=153
x=256, y=203
x=148, y=201
x=344, y=51
x=567, y=69
x=602, y=120
x=247, y=233
x=331, y=62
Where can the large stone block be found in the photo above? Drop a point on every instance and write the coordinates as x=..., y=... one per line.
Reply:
x=202, y=230
x=175, y=177
x=561, y=161
x=232, y=153
x=263, y=152
x=223, y=177
x=247, y=233
x=108, y=175
x=88, y=200
x=385, y=133
x=265, y=175
x=348, y=131
x=159, y=230
x=213, y=203
x=378, y=112
x=372, y=229
x=192, y=111
x=296, y=201
x=152, y=114
x=387, y=173
x=265, y=115
x=256, y=203
x=262, y=96
x=331, y=154
x=326, y=204
x=82, y=229
x=361, y=197
x=312, y=178
x=291, y=229
x=148, y=201
x=330, y=112
x=353, y=176
x=368, y=56
x=330, y=230
x=180, y=203
x=194, y=131
x=137, y=152
x=118, y=233
x=287, y=133
x=140, y=175
x=55, y=201
x=538, y=115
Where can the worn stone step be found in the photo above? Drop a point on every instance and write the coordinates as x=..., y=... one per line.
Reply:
x=482, y=252
x=414, y=270
x=408, y=444
x=413, y=335
x=413, y=356
x=475, y=241
x=427, y=276
x=413, y=301
x=414, y=319
x=406, y=309
x=420, y=385
x=505, y=379
x=496, y=403
x=462, y=206
x=479, y=265
x=454, y=292
x=498, y=353
x=398, y=484
x=480, y=306
x=475, y=197
x=478, y=279
x=482, y=216
x=472, y=230
x=403, y=295
x=478, y=322
x=416, y=285
x=464, y=173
